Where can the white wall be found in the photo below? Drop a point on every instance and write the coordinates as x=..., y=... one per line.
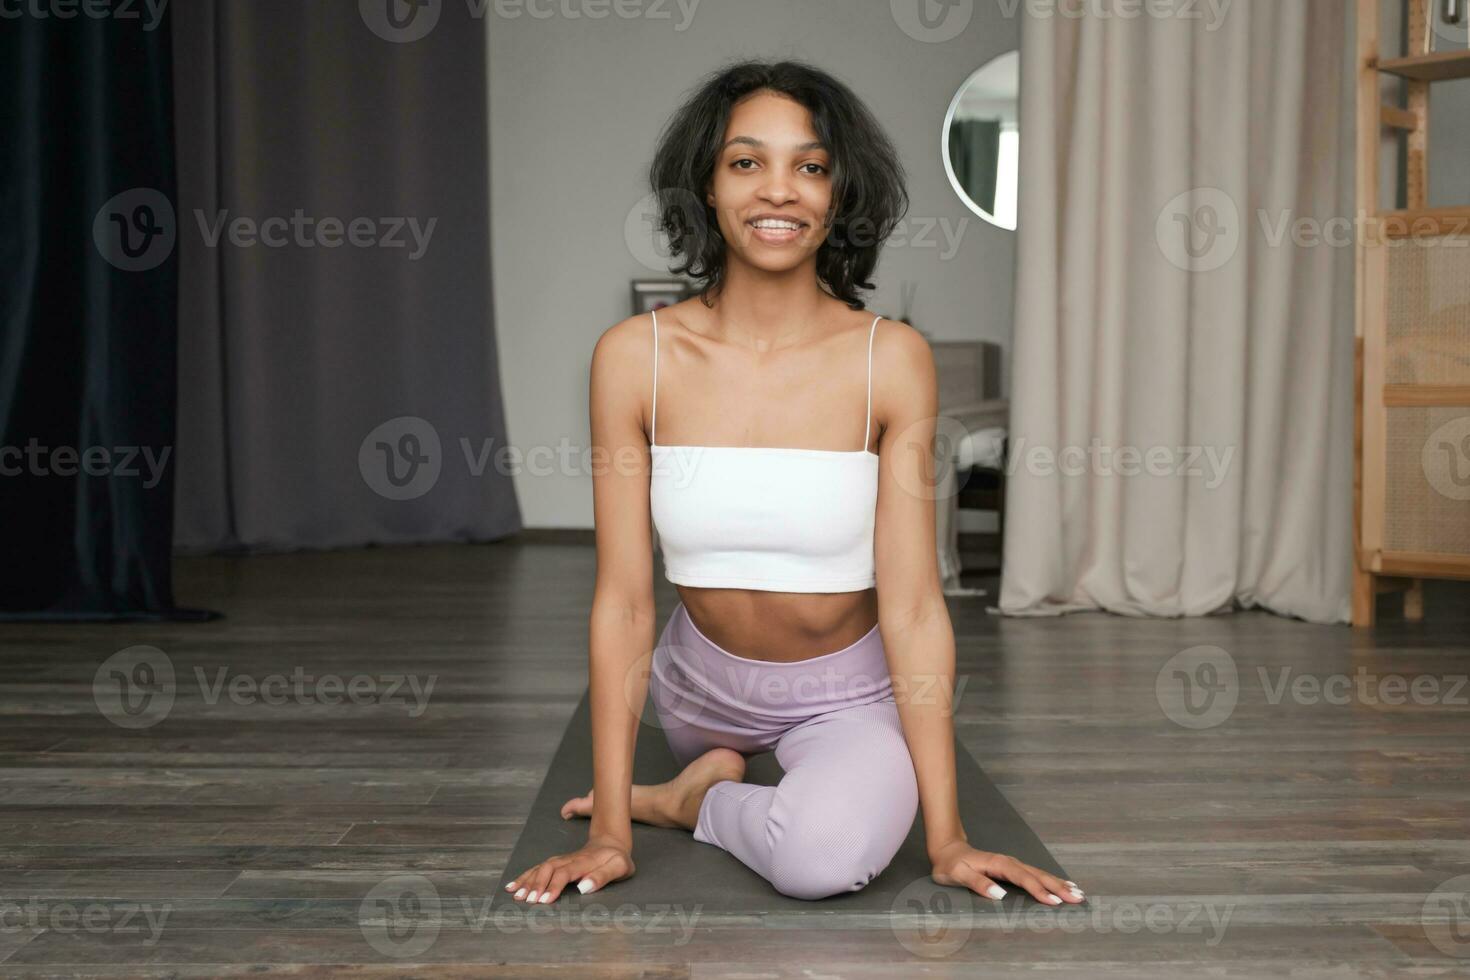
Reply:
x=576, y=104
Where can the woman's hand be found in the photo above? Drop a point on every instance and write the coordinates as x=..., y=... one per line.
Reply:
x=957, y=863
x=597, y=862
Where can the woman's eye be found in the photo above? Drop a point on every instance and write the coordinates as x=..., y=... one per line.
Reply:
x=737, y=164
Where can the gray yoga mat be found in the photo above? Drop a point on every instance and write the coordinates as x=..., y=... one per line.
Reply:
x=675, y=869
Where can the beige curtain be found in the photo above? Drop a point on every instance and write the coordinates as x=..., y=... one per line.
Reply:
x=1182, y=366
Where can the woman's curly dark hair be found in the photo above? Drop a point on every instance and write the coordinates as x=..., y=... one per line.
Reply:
x=868, y=193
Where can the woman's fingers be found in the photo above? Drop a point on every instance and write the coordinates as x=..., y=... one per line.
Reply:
x=537, y=880
x=1046, y=889
x=1060, y=886
x=593, y=878
x=545, y=882
x=975, y=880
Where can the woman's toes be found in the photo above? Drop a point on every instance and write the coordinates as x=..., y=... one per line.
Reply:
x=577, y=806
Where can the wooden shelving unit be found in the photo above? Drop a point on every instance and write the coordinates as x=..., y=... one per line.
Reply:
x=1440, y=66
x=1412, y=342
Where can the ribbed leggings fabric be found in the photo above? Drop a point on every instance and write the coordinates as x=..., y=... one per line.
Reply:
x=848, y=796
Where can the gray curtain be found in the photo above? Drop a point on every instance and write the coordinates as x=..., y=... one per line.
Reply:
x=1181, y=428
x=338, y=382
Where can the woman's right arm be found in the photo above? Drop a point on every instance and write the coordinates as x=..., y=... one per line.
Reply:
x=621, y=626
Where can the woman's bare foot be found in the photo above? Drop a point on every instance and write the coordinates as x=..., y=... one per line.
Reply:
x=676, y=802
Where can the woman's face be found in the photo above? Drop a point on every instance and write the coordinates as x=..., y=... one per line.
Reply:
x=771, y=171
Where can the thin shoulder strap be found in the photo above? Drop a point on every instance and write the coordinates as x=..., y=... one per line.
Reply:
x=868, y=422
x=653, y=422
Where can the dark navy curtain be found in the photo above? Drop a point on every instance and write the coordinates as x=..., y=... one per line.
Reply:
x=88, y=323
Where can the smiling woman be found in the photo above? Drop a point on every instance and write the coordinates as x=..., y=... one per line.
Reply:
x=785, y=437
x=852, y=181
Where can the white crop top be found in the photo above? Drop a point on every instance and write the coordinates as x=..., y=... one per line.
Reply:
x=776, y=519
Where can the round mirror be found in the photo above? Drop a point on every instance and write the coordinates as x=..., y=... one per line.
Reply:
x=982, y=140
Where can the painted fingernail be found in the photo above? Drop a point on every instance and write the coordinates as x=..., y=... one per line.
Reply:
x=995, y=891
x=520, y=893
x=545, y=897
x=1077, y=892
x=1053, y=899
x=532, y=897
x=1072, y=883
x=584, y=886
x=510, y=886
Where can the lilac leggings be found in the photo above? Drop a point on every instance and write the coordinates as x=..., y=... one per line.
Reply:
x=848, y=796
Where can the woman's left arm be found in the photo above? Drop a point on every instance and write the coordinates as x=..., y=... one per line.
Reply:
x=913, y=619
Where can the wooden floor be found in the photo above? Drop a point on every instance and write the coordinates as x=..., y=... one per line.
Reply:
x=1287, y=836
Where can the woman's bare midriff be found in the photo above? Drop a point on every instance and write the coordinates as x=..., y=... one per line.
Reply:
x=780, y=626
